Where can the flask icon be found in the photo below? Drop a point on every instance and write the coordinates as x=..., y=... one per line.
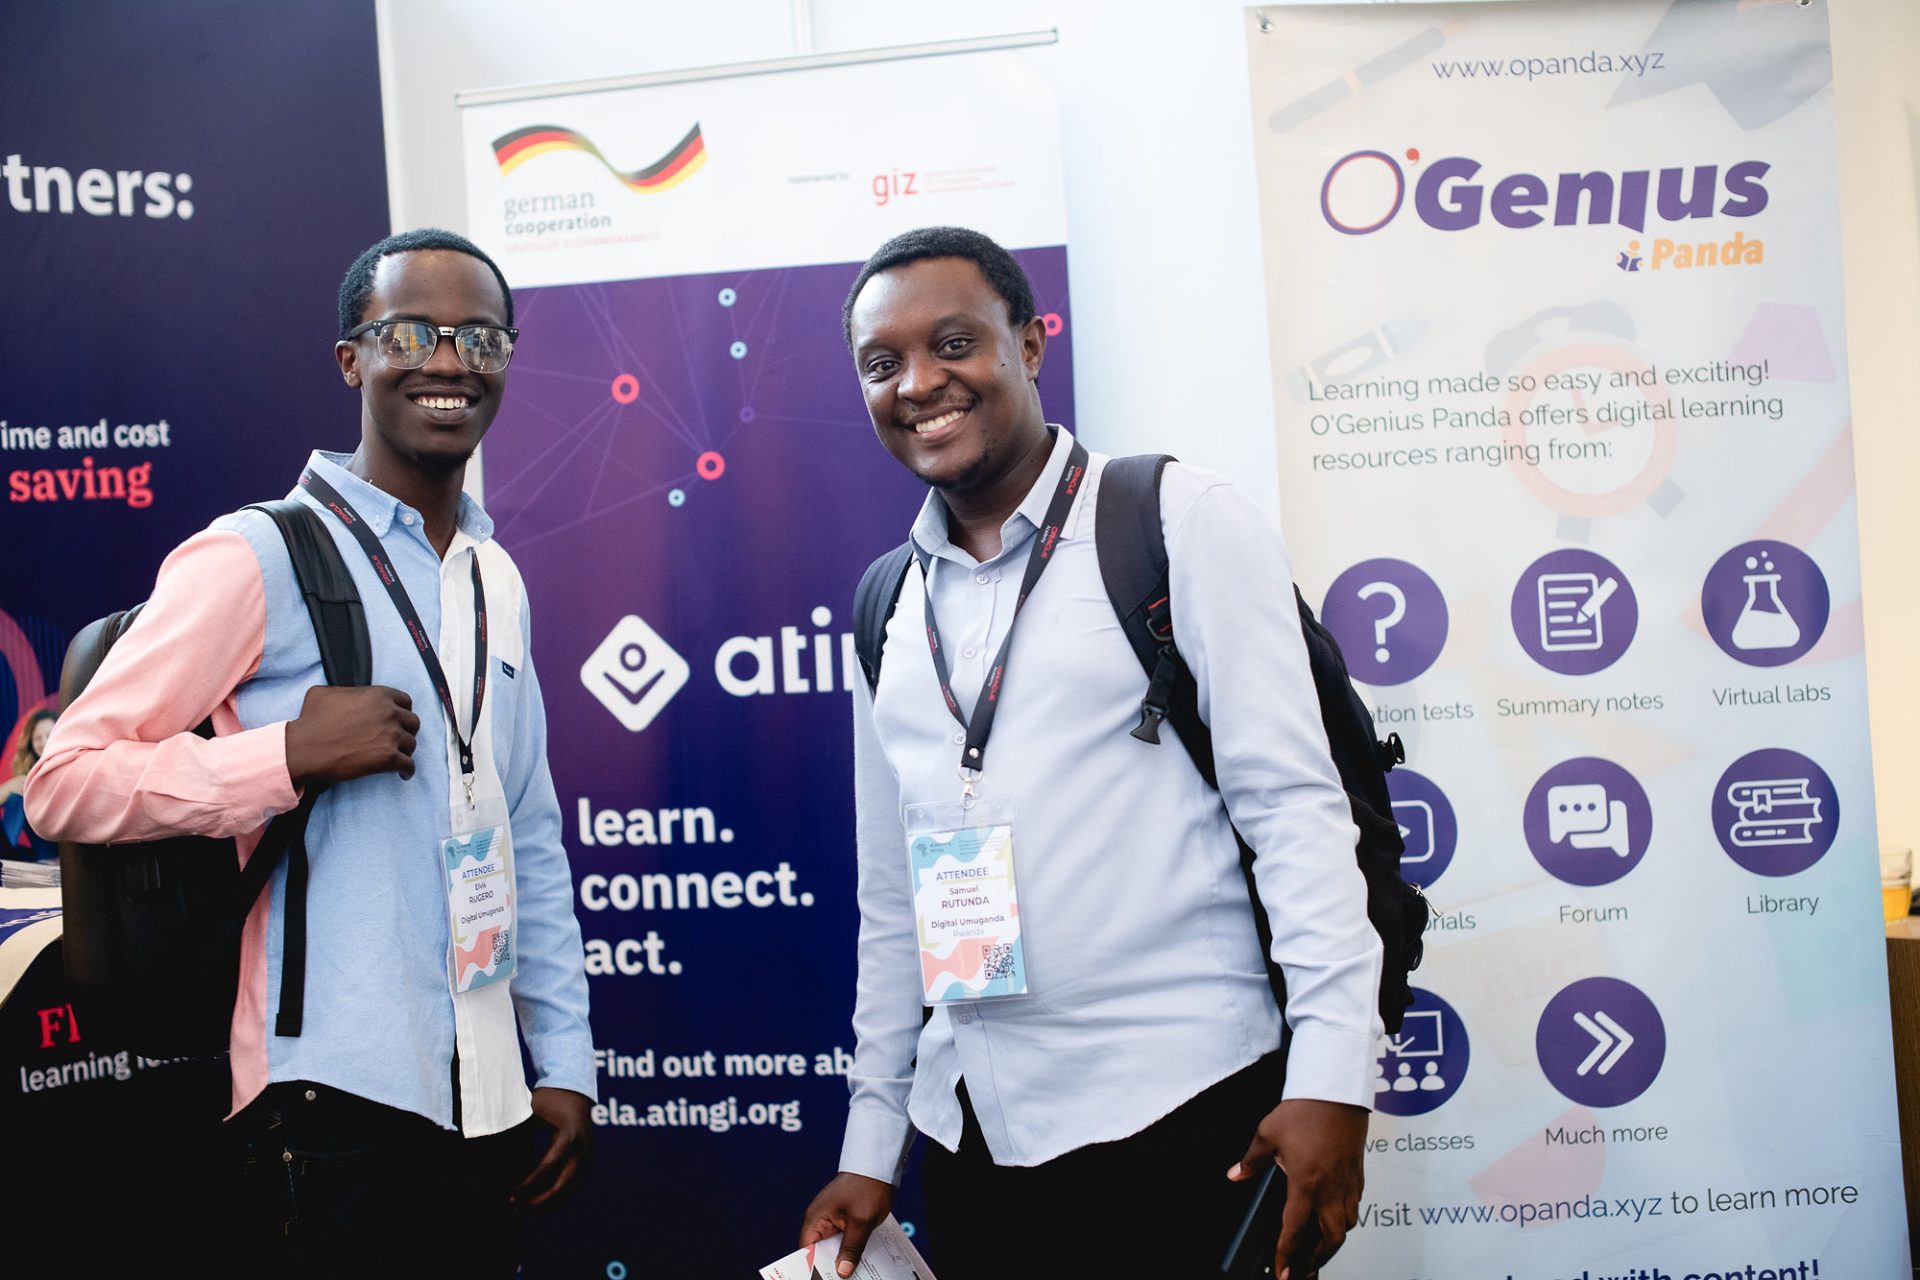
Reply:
x=1764, y=622
x=1765, y=603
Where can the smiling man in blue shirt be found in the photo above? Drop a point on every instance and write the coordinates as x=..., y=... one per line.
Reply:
x=382, y=1113
x=1121, y=1106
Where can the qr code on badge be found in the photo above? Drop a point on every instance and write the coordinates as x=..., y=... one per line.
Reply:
x=999, y=961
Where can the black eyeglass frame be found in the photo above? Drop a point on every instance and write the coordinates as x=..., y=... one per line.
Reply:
x=439, y=331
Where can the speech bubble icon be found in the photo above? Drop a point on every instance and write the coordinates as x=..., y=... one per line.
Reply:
x=1575, y=806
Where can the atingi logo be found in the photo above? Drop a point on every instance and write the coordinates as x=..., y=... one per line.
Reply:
x=684, y=160
x=1365, y=190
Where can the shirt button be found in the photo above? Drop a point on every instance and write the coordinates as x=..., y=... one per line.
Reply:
x=964, y=1019
x=407, y=518
x=982, y=579
x=969, y=652
x=960, y=739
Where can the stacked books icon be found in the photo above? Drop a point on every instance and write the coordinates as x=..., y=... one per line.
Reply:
x=1773, y=812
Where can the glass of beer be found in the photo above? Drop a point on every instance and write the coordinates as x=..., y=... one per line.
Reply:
x=1896, y=876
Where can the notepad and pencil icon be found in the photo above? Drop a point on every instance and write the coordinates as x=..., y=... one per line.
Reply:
x=1570, y=610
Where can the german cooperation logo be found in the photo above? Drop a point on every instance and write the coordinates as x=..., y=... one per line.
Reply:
x=565, y=211
x=1364, y=191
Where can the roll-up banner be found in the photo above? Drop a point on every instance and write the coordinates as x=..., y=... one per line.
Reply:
x=182, y=186
x=1560, y=376
x=687, y=476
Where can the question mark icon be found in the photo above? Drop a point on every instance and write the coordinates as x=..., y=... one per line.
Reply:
x=1391, y=617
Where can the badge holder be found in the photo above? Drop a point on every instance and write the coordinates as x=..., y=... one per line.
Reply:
x=476, y=860
x=966, y=909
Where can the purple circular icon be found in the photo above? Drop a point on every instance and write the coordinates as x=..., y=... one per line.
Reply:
x=1588, y=821
x=1765, y=603
x=1427, y=826
x=1601, y=1042
x=1776, y=812
x=1389, y=618
x=1574, y=612
x=1421, y=1065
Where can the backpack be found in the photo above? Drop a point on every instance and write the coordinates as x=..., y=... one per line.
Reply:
x=1131, y=546
x=152, y=929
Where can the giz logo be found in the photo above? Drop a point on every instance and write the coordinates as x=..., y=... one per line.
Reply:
x=893, y=186
x=634, y=673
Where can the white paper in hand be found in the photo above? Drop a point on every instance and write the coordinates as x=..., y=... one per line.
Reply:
x=889, y=1256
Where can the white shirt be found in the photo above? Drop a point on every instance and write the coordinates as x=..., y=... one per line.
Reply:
x=1147, y=984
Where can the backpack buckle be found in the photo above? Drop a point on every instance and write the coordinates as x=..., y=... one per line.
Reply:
x=1154, y=707
x=1148, y=730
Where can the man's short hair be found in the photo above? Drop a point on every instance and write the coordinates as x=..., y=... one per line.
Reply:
x=357, y=289
x=995, y=263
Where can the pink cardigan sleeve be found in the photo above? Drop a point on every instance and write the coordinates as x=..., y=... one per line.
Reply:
x=124, y=763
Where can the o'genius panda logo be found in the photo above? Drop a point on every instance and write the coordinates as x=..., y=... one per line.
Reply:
x=1364, y=191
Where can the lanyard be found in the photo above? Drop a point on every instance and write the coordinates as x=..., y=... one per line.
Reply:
x=390, y=578
x=973, y=756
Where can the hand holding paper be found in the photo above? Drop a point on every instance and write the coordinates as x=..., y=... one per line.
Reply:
x=886, y=1254
x=847, y=1211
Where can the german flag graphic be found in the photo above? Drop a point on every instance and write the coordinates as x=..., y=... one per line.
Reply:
x=682, y=162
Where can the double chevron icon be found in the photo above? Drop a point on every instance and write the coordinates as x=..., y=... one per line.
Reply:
x=1611, y=1042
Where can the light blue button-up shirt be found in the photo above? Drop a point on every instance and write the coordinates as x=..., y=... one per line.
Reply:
x=1147, y=983
x=380, y=1017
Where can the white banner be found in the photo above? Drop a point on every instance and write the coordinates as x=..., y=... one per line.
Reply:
x=772, y=170
x=1565, y=451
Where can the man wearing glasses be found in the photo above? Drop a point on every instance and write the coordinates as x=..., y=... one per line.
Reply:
x=397, y=1108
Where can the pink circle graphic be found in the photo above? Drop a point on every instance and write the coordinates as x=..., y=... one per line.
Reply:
x=1054, y=323
x=626, y=388
x=710, y=465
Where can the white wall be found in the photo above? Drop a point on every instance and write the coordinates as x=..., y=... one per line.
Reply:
x=1876, y=59
x=1163, y=224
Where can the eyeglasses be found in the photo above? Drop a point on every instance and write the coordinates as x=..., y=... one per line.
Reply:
x=409, y=344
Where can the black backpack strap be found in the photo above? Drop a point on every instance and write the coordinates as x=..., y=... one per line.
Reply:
x=346, y=657
x=873, y=603
x=1133, y=564
x=333, y=602
x=1132, y=550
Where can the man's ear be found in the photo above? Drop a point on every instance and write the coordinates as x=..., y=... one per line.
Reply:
x=347, y=355
x=1033, y=346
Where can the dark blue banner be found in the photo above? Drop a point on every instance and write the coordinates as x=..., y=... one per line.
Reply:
x=182, y=187
x=686, y=474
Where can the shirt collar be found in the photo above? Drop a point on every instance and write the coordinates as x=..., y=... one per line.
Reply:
x=930, y=530
x=380, y=508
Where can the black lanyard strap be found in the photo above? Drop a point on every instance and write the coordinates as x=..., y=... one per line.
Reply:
x=390, y=578
x=973, y=756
